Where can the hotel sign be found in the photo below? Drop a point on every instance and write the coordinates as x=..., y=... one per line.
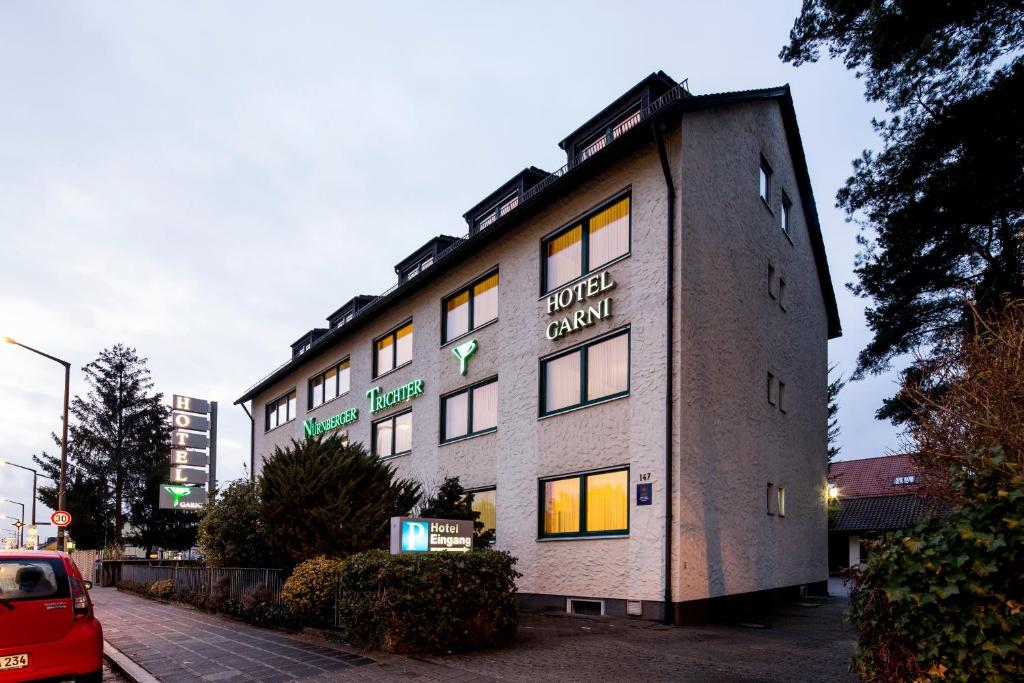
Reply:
x=419, y=535
x=312, y=427
x=193, y=449
x=406, y=392
x=584, y=291
x=176, y=497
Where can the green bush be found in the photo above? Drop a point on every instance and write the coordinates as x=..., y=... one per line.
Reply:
x=232, y=532
x=945, y=600
x=162, y=589
x=133, y=586
x=309, y=591
x=437, y=602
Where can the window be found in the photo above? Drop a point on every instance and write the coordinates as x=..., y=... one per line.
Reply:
x=784, y=215
x=393, y=349
x=766, y=182
x=904, y=480
x=771, y=388
x=585, y=504
x=771, y=281
x=781, y=500
x=782, y=397
x=471, y=308
x=329, y=384
x=392, y=435
x=586, y=246
x=782, y=293
x=485, y=502
x=27, y=578
x=281, y=410
x=595, y=371
x=596, y=143
x=770, y=499
x=469, y=412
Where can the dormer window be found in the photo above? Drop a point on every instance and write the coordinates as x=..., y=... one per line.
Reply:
x=508, y=203
x=602, y=138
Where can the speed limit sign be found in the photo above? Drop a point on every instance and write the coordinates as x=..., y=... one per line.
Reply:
x=60, y=518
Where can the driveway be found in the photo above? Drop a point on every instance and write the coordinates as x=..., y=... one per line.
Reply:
x=801, y=642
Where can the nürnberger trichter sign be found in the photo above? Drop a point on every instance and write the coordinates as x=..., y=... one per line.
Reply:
x=420, y=535
x=193, y=449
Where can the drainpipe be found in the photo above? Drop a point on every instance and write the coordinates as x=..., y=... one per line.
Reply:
x=252, y=443
x=670, y=238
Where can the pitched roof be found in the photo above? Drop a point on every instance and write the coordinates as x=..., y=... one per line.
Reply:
x=877, y=513
x=872, y=476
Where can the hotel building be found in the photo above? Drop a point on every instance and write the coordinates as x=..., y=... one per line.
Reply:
x=626, y=360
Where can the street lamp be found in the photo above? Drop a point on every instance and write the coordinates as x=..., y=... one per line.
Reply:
x=64, y=437
x=21, y=529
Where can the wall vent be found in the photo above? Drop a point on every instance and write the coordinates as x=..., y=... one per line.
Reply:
x=634, y=608
x=591, y=608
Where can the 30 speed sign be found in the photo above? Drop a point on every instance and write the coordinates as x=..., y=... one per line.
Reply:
x=60, y=518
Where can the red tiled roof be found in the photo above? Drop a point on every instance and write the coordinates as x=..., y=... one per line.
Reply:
x=872, y=476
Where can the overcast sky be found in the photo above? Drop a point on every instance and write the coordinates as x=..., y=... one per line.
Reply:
x=207, y=181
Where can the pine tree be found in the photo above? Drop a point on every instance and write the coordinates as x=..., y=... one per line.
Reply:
x=119, y=434
x=320, y=496
x=834, y=387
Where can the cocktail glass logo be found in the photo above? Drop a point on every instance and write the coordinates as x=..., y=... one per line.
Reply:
x=178, y=492
x=463, y=352
x=415, y=536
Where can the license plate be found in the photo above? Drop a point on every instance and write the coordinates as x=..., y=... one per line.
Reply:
x=13, y=662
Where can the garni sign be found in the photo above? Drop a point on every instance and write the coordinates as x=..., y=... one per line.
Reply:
x=193, y=449
x=586, y=291
x=313, y=427
x=406, y=392
x=420, y=535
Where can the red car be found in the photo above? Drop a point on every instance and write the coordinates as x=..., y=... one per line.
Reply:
x=47, y=626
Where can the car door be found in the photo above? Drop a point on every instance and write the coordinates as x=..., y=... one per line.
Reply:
x=35, y=601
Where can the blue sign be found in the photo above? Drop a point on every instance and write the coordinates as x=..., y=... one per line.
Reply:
x=644, y=493
x=415, y=536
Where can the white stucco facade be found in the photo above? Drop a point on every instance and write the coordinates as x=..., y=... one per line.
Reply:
x=729, y=442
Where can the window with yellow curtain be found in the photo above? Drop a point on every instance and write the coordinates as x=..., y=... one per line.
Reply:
x=393, y=349
x=471, y=308
x=601, y=237
x=564, y=258
x=587, y=504
x=608, y=501
x=609, y=234
x=562, y=506
x=485, y=502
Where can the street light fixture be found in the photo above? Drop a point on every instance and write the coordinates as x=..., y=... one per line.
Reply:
x=21, y=529
x=64, y=437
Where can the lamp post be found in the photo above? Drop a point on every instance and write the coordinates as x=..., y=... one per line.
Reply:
x=64, y=437
x=35, y=480
x=21, y=529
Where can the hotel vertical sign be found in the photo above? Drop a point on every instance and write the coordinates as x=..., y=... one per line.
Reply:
x=193, y=450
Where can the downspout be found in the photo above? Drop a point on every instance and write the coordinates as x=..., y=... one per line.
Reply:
x=252, y=443
x=670, y=239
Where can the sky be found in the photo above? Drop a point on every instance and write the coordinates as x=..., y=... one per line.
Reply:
x=207, y=181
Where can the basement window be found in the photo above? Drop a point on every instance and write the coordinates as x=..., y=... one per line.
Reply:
x=590, y=608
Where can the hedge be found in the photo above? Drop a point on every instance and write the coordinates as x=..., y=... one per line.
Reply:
x=310, y=590
x=437, y=602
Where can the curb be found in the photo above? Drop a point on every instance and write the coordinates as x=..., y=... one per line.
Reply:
x=124, y=665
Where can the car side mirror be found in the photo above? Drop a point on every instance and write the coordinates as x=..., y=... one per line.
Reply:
x=88, y=585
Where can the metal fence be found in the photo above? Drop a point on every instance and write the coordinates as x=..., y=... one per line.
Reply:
x=233, y=581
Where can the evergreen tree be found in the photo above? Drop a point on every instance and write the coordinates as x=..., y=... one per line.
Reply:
x=153, y=527
x=834, y=387
x=945, y=195
x=320, y=496
x=85, y=499
x=451, y=501
x=231, y=531
x=119, y=433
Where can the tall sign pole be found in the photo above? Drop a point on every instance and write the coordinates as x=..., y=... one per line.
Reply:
x=212, y=485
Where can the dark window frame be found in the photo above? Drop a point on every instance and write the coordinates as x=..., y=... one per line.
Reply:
x=786, y=211
x=485, y=489
x=472, y=308
x=582, y=532
x=394, y=434
x=583, y=220
x=585, y=346
x=275, y=402
x=323, y=375
x=469, y=411
x=393, y=333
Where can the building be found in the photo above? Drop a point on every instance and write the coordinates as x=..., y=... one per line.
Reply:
x=625, y=358
x=873, y=497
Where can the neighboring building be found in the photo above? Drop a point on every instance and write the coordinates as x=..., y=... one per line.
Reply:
x=873, y=497
x=643, y=414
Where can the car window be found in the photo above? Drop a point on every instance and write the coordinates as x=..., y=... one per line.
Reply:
x=30, y=579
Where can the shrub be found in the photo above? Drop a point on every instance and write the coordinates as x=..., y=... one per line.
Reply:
x=945, y=600
x=437, y=602
x=231, y=531
x=309, y=591
x=162, y=589
x=133, y=586
x=325, y=497
x=220, y=592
